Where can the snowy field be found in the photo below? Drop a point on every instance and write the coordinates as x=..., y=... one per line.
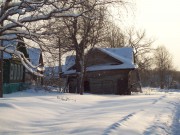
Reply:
x=30, y=112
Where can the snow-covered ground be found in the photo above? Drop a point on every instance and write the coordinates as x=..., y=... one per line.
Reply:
x=153, y=112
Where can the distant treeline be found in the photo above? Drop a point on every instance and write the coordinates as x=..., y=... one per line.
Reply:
x=151, y=78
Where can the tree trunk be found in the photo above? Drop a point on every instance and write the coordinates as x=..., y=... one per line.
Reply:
x=1, y=72
x=60, y=69
x=1, y=64
x=80, y=69
x=161, y=80
x=139, y=80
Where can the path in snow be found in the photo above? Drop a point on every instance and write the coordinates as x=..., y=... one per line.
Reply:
x=163, y=123
x=116, y=125
x=159, y=99
x=176, y=120
x=158, y=122
x=159, y=125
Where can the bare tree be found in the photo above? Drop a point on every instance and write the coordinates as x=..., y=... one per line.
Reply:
x=84, y=32
x=163, y=63
x=138, y=40
x=15, y=17
x=142, y=47
x=75, y=34
x=57, y=43
x=113, y=36
x=142, y=51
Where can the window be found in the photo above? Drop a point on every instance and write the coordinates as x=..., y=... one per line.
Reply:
x=11, y=71
x=21, y=75
x=15, y=71
x=19, y=72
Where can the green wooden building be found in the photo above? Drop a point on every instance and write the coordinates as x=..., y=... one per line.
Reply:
x=13, y=70
x=15, y=76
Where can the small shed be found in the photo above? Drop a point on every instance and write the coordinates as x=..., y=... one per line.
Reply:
x=108, y=71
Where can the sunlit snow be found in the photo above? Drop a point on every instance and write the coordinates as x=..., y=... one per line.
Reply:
x=52, y=113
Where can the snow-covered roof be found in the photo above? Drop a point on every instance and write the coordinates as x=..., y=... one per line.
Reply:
x=110, y=67
x=12, y=43
x=52, y=71
x=124, y=55
x=34, y=55
x=70, y=61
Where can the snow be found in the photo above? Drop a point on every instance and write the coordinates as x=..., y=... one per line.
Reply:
x=10, y=47
x=109, y=67
x=124, y=55
x=70, y=61
x=52, y=71
x=11, y=43
x=43, y=113
x=34, y=55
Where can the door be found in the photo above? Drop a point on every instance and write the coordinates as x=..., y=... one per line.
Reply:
x=122, y=86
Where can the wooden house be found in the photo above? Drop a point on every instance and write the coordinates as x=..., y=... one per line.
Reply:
x=14, y=73
x=108, y=71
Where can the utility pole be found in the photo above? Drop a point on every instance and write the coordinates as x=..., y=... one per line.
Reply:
x=60, y=68
x=1, y=59
x=1, y=71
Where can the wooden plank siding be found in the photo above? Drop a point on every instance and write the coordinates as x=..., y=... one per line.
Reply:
x=96, y=57
x=13, y=73
x=6, y=71
x=109, y=81
x=104, y=82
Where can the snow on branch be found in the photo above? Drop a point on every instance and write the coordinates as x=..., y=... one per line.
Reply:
x=18, y=16
x=23, y=60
